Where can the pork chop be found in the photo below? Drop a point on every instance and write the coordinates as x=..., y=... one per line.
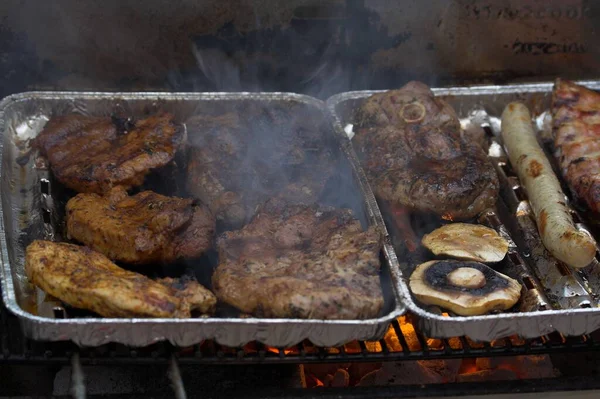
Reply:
x=93, y=154
x=140, y=229
x=298, y=261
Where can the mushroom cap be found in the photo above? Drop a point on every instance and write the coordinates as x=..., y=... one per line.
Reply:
x=467, y=241
x=465, y=288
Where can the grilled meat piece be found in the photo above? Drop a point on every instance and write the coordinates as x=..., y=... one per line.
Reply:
x=240, y=159
x=191, y=292
x=139, y=229
x=301, y=262
x=92, y=154
x=86, y=279
x=411, y=146
x=576, y=126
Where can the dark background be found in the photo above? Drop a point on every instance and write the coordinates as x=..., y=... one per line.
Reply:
x=315, y=47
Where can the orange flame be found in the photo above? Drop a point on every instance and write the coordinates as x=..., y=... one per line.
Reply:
x=448, y=217
x=277, y=351
x=475, y=369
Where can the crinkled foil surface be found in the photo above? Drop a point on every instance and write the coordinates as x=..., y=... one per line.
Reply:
x=22, y=116
x=485, y=103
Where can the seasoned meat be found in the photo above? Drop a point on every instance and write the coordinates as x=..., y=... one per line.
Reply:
x=301, y=261
x=93, y=154
x=240, y=159
x=85, y=279
x=411, y=146
x=191, y=292
x=139, y=229
x=576, y=125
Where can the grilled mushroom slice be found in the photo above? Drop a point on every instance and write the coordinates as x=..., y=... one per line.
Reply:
x=467, y=241
x=465, y=288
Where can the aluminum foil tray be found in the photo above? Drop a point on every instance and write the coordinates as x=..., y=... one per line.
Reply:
x=556, y=297
x=29, y=210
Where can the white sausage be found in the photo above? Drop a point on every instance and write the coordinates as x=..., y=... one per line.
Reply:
x=547, y=200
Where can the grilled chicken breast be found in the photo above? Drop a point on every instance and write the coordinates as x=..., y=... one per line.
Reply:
x=238, y=160
x=139, y=229
x=411, y=146
x=93, y=154
x=576, y=125
x=301, y=262
x=85, y=279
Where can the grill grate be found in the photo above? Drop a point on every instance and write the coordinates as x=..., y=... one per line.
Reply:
x=401, y=342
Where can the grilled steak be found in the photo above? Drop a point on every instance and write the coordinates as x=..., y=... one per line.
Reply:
x=301, y=261
x=240, y=159
x=411, y=146
x=93, y=154
x=143, y=228
x=576, y=125
x=86, y=279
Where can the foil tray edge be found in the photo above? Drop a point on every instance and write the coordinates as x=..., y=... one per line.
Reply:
x=570, y=322
x=230, y=332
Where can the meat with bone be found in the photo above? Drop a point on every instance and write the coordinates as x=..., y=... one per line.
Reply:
x=86, y=279
x=139, y=229
x=93, y=154
x=240, y=159
x=302, y=262
x=576, y=124
x=411, y=146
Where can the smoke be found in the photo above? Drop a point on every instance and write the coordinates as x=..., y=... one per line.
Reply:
x=320, y=51
x=313, y=52
x=305, y=46
x=324, y=48
x=219, y=69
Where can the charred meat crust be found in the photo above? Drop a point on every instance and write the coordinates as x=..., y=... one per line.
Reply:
x=576, y=124
x=424, y=164
x=92, y=154
x=191, y=292
x=86, y=279
x=302, y=262
x=140, y=229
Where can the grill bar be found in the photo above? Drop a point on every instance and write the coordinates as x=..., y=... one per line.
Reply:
x=175, y=377
x=19, y=350
x=77, y=378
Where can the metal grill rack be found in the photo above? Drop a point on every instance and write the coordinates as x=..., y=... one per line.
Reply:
x=16, y=349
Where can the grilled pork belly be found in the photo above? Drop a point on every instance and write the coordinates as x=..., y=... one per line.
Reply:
x=301, y=261
x=411, y=146
x=93, y=154
x=86, y=279
x=576, y=125
x=140, y=229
